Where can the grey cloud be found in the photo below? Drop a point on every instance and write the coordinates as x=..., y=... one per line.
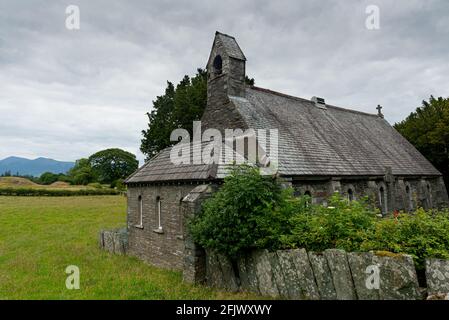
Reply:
x=66, y=94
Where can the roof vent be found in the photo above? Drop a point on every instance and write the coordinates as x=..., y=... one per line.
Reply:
x=319, y=102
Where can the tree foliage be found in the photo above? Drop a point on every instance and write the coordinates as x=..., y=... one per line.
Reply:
x=178, y=107
x=342, y=224
x=82, y=173
x=254, y=212
x=428, y=130
x=421, y=234
x=247, y=212
x=111, y=165
x=49, y=178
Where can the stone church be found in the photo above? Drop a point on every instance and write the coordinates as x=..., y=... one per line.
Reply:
x=322, y=149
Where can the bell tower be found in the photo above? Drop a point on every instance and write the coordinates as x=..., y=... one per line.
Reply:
x=225, y=70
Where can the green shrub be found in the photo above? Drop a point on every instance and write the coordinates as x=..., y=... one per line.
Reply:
x=421, y=234
x=119, y=184
x=95, y=185
x=343, y=224
x=249, y=211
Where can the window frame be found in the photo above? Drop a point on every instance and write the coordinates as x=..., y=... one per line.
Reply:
x=139, y=212
x=383, y=199
x=408, y=193
x=159, y=228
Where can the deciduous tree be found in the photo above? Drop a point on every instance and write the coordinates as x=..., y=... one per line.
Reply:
x=428, y=130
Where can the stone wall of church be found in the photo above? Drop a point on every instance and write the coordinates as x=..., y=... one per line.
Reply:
x=162, y=248
x=171, y=247
x=399, y=193
x=220, y=113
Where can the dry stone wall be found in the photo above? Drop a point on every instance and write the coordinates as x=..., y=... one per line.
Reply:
x=437, y=277
x=299, y=275
x=114, y=241
x=332, y=274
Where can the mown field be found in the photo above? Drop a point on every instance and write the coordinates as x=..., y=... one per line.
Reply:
x=41, y=236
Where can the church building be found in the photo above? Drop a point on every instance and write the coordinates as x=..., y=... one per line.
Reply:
x=322, y=149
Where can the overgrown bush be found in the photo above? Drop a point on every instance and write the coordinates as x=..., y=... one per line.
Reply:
x=249, y=211
x=421, y=234
x=343, y=224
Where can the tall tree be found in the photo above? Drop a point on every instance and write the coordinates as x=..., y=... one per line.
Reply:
x=111, y=165
x=82, y=173
x=177, y=108
x=428, y=130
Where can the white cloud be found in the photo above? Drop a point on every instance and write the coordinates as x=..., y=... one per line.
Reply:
x=66, y=94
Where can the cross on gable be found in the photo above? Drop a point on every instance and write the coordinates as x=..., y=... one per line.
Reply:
x=379, y=111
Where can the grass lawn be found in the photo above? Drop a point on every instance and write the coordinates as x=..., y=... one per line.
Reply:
x=41, y=236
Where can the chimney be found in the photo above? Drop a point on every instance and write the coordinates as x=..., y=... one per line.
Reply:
x=319, y=102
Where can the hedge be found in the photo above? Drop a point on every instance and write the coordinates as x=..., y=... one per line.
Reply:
x=30, y=192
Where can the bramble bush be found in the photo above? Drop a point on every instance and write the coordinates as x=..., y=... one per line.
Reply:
x=421, y=234
x=250, y=211
x=342, y=224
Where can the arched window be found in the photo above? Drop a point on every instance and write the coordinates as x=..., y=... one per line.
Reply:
x=309, y=197
x=181, y=221
x=408, y=193
x=140, y=211
x=218, y=64
x=159, y=213
x=350, y=194
x=429, y=196
x=383, y=200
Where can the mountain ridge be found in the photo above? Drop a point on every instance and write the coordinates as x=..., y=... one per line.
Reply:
x=34, y=167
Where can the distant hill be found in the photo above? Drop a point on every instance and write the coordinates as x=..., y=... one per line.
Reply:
x=34, y=167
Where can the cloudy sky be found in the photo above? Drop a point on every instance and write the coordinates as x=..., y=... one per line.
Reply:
x=65, y=93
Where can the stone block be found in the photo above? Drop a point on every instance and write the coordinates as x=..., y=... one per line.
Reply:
x=341, y=274
x=323, y=276
x=278, y=275
x=229, y=280
x=364, y=268
x=437, y=276
x=251, y=274
x=398, y=279
x=108, y=238
x=267, y=284
x=298, y=274
x=214, y=276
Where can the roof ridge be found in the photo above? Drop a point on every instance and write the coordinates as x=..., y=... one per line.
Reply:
x=288, y=96
x=224, y=34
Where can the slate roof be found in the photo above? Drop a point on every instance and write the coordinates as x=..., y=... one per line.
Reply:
x=332, y=141
x=312, y=142
x=161, y=168
x=230, y=46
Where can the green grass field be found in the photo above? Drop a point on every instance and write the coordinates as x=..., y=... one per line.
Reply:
x=18, y=182
x=41, y=236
